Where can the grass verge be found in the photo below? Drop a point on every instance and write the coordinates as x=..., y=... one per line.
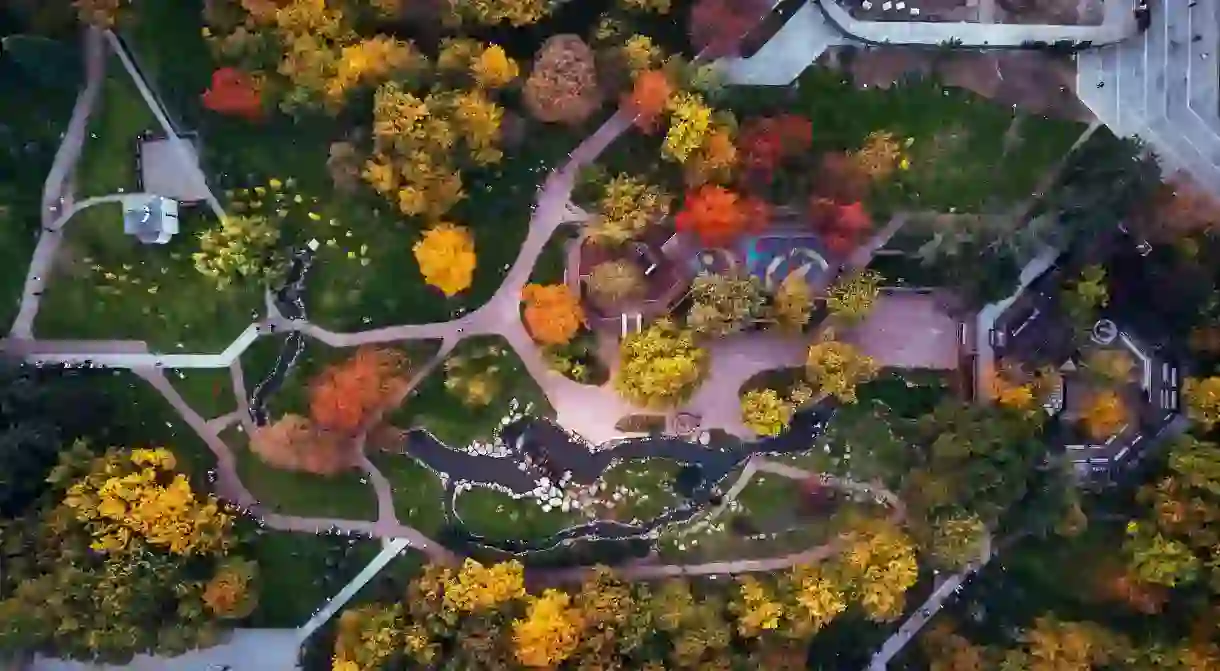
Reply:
x=498, y=516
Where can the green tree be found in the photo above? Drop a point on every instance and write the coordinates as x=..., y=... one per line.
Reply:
x=1085, y=296
x=957, y=540
x=724, y=304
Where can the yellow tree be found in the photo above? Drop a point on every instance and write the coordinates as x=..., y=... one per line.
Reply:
x=367, y=61
x=1055, y=645
x=835, y=368
x=793, y=304
x=1202, y=396
x=852, y=298
x=552, y=313
x=493, y=69
x=550, y=631
x=476, y=587
x=654, y=6
x=756, y=608
x=815, y=597
x=690, y=120
x=477, y=118
x=446, y=258
x=879, y=560
x=613, y=281
x=139, y=499
x=231, y=593
x=236, y=250
x=660, y=366
x=368, y=637
x=640, y=54
x=516, y=12
x=627, y=207
x=714, y=161
x=880, y=156
x=957, y=540
x=766, y=412
x=1104, y=415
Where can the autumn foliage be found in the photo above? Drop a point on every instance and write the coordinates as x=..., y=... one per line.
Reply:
x=293, y=443
x=648, y=97
x=446, y=258
x=345, y=396
x=765, y=142
x=842, y=227
x=553, y=313
x=717, y=26
x=841, y=179
x=563, y=84
x=718, y=216
x=234, y=93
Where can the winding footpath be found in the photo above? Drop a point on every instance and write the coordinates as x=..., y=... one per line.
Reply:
x=585, y=410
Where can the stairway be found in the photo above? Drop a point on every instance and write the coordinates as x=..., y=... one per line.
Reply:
x=1164, y=86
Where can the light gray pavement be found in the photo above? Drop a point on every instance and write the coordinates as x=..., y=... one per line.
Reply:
x=245, y=650
x=986, y=318
x=734, y=360
x=54, y=187
x=387, y=554
x=1164, y=86
x=798, y=44
x=1117, y=25
x=908, y=329
x=821, y=24
x=186, y=155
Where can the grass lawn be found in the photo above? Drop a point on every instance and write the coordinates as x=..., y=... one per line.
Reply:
x=341, y=496
x=958, y=137
x=650, y=490
x=442, y=412
x=299, y=572
x=418, y=494
x=909, y=394
x=108, y=159
x=107, y=285
x=35, y=119
x=769, y=496
x=498, y=516
x=549, y=269
x=208, y=390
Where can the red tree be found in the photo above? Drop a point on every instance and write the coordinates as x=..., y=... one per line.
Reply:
x=841, y=226
x=718, y=216
x=840, y=179
x=234, y=93
x=717, y=26
x=764, y=143
x=647, y=98
x=344, y=397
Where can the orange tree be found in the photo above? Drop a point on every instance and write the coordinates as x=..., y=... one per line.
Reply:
x=346, y=395
x=552, y=313
x=719, y=216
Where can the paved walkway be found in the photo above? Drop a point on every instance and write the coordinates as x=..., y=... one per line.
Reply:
x=909, y=329
x=821, y=24
x=245, y=650
x=387, y=554
x=1164, y=86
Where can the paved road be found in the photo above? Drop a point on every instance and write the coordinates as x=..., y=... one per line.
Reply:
x=1164, y=86
x=822, y=24
x=53, y=188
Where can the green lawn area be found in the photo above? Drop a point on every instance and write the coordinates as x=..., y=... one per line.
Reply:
x=35, y=117
x=208, y=390
x=769, y=495
x=341, y=496
x=909, y=394
x=498, y=516
x=958, y=138
x=299, y=572
x=107, y=285
x=650, y=490
x=108, y=159
x=442, y=412
x=549, y=269
x=418, y=494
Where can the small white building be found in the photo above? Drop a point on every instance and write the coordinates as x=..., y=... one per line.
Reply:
x=151, y=219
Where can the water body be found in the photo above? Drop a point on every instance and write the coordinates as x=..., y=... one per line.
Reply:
x=541, y=438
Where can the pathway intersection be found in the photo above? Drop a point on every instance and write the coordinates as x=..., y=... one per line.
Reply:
x=581, y=409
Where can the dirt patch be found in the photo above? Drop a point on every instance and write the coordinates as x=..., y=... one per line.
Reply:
x=1070, y=12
